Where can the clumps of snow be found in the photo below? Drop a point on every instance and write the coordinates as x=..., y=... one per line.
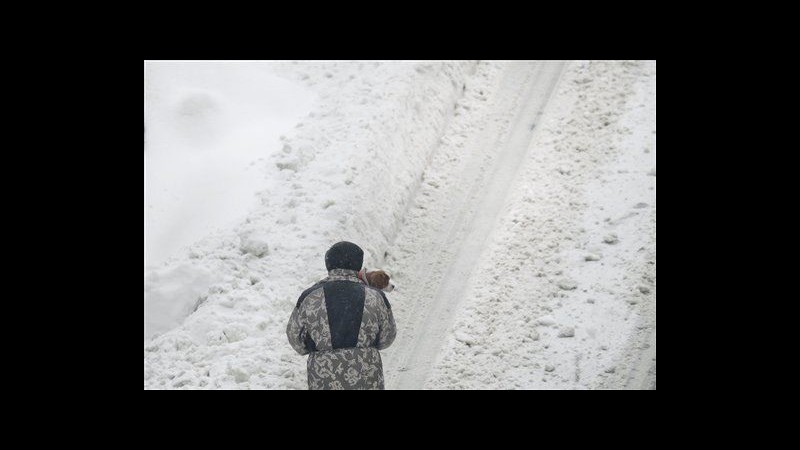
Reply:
x=592, y=257
x=549, y=368
x=255, y=243
x=611, y=238
x=172, y=294
x=567, y=284
x=239, y=375
x=465, y=338
x=287, y=165
x=565, y=332
x=546, y=321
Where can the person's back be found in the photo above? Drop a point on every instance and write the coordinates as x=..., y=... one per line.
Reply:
x=342, y=324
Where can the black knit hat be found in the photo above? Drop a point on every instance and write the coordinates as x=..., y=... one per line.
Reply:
x=344, y=255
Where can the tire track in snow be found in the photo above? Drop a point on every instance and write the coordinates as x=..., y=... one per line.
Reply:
x=643, y=374
x=457, y=227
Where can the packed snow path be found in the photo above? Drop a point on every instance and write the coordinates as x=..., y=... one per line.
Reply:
x=527, y=258
x=460, y=222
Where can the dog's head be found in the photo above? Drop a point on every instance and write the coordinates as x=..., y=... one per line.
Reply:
x=381, y=280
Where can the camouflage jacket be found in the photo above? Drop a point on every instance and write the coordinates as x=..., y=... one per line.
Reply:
x=341, y=324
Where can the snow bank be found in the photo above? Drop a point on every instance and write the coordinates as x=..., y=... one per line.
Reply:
x=347, y=172
x=172, y=293
x=205, y=124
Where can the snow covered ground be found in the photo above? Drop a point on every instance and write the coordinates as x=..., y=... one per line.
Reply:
x=206, y=124
x=513, y=203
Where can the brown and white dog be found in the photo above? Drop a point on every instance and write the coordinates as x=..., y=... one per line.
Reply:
x=377, y=279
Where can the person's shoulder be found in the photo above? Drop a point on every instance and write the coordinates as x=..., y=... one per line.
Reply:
x=377, y=295
x=373, y=291
x=309, y=291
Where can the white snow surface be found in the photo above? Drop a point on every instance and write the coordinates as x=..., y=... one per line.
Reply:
x=512, y=202
x=207, y=124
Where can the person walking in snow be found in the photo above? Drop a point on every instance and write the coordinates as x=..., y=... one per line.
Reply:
x=342, y=324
